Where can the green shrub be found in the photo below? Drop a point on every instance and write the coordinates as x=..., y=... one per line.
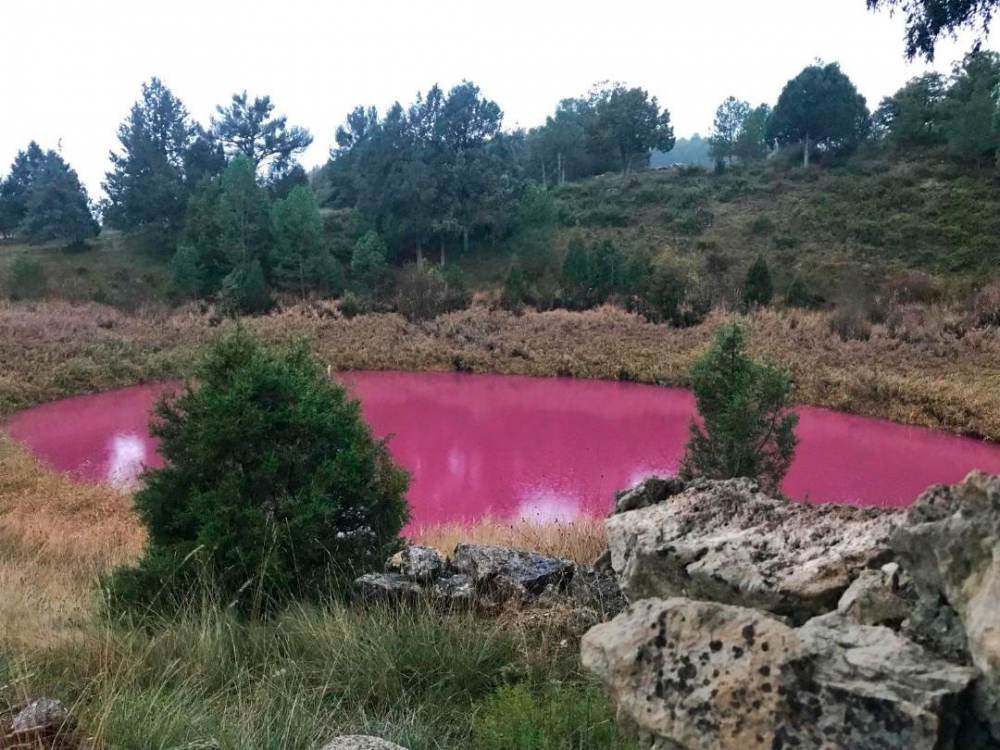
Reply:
x=748, y=428
x=797, y=294
x=576, y=275
x=186, y=274
x=351, y=305
x=786, y=242
x=555, y=717
x=26, y=279
x=369, y=265
x=606, y=215
x=273, y=484
x=762, y=226
x=244, y=291
x=758, y=289
x=515, y=286
x=662, y=293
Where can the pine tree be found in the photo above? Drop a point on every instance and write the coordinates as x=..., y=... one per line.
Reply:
x=146, y=186
x=759, y=288
x=576, y=274
x=298, y=241
x=368, y=263
x=57, y=206
x=748, y=427
x=14, y=189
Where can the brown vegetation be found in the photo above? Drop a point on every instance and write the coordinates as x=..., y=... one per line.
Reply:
x=928, y=365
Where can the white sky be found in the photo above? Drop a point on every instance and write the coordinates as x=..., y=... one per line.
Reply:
x=71, y=69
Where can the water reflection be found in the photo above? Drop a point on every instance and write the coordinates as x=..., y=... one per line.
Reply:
x=545, y=505
x=126, y=459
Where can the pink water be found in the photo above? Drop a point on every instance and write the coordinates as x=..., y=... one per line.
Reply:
x=543, y=449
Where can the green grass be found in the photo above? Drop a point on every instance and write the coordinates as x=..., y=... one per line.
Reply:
x=414, y=676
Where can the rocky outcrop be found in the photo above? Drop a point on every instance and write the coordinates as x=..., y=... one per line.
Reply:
x=485, y=575
x=761, y=623
x=728, y=542
x=709, y=676
x=360, y=742
x=951, y=548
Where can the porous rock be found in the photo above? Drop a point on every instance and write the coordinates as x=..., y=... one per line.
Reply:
x=510, y=571
x=649, y=491
x=951, y=548
x=727, y=541
x=391, y=587
x=419, y=563
x=695, y=675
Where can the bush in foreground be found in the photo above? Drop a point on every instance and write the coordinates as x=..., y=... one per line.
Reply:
x=749, y=430
x=26, y=279
x=272, y=484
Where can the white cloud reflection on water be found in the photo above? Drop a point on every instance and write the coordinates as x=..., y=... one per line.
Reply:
x=127, y=457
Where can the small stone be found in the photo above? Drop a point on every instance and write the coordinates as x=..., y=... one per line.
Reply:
x=42, y=716
x=508, y=571
x=391, y=587
x=360, y=742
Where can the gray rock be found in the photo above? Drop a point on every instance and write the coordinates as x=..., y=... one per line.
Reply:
x=694, y=675
x=726, y=541
x=951, y=549
x=598, y=590
x=422, y=564
x=360, y=742
x=507, y=572
x=875, y=598
x=387, y=587
x=649, y=491
x=43, y=716
x=454, y=590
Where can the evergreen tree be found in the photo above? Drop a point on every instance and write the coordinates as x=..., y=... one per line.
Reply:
x=146, y=188
x=57, y=205
x=607, y=271
x=729, y=120
x=631, y=123
x=298, y=241
x=748, y=427
x=971, y=109
x=515, y=286
x=249, y=128
x=368, y=263
x=912, y=117
x=929, y=20
x=15, y=187
x=272, y=485
x=819, y=108
x=752, y=141
x=244, y=214
x=244, y=290
x=187, y=277
x=759, y=288
x=576, y=274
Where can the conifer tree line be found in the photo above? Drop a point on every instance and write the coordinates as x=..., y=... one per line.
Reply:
x=239, y=218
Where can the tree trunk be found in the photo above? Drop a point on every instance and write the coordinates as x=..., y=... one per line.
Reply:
x=465, y=240
x=442, y=251
x=420, y=255
x=805, y=152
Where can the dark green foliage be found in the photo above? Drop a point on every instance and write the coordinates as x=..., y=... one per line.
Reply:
x=758, y=289
x=971, y=121
x=57, y=207
x=929, y=20
x=187, y=277
x=752, y=143
x=820, y=108
x=912, y=117
x=515, y=286
x=350, y=305
x=25, y=278
x=607, y=269
x=576, y=274
x=631, y=124
x=272, y=484
x=556, y=717
x=14, y=189
x=748, y=429
x=726, y=129
x=797, y=294
x=300, y=258
x=244, y=290
x=146, y=187
x=250, y=129
x=368, y=264
x=762, y=225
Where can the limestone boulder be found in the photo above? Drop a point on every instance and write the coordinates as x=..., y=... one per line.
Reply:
x=726, y=541
x=696, y=675
x=510, y=571
x=951, y=548
x=387, y=587
x=419, y=563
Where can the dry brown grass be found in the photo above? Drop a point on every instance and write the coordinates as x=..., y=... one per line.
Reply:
x=56, y=538
x=582, y=540
x=924, y=365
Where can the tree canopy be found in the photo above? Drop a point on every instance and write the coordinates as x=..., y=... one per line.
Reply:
x=820, y=109
x=250, y=128
x=928, y=20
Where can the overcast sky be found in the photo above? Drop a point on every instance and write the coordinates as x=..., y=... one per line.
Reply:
x=70, y=70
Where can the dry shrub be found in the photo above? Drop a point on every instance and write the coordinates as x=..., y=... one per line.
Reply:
x=984, y=306
x=908, y=287
x=850, y=324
